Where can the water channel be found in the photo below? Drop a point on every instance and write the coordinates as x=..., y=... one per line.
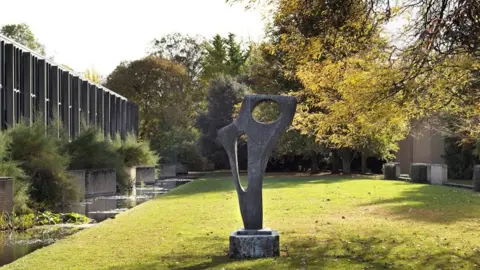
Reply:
x=14, y=245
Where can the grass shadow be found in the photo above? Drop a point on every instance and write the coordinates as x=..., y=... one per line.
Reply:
x=372, y=251
x=433, y=204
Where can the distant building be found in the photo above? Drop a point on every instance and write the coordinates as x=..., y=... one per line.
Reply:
x=425, y=144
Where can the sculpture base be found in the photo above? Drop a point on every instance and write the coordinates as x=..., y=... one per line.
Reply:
x=245, y=244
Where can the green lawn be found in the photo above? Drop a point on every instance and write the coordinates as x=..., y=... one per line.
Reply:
x=324, y=222
x=462, y=182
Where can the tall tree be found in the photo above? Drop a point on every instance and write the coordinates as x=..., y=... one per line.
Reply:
x=223, y=94
x=334, y=49
x=22, y=34
x=162, y=90
x=181, y=49
x=92, y=75
x=224, y=56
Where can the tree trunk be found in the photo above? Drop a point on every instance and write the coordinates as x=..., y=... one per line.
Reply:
x=364, y=163
x=347, y=157
x=335, y=160
x=314, y=159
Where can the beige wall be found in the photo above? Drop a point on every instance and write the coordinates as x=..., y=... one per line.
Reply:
x=425, y=146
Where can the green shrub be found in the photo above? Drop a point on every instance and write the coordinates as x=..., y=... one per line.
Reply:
x=135, y=152
x=47, y=218
x=44, y=165
x=418, y=172
x=90, y=150
x=12, y=169
x=74, y=218
x=460, y=158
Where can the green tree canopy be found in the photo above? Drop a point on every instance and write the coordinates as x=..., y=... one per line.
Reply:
x=224, y=56
x=22, y=34
x=162, y=90
x=223, y=94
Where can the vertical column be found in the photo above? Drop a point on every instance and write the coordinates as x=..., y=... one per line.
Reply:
x=128, y=123
x=118, y=113
x=2, y=82
x=27, y=87
x=84, y=94
x=10, y=85
x=54, y=94
x=124, y=119
x=42, y=90
x=100, y=110
x=66, y=92
x=76, y=106
x=92, y=104
x=106, y=113
x=113, y=119
x=137, y=119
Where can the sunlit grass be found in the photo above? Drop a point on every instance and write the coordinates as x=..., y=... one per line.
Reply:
x=324, y=222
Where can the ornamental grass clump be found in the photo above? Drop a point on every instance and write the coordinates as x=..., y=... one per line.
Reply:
x=90, y=150
x=39, y=156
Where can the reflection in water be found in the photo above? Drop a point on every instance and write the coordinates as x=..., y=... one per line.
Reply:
x=14, y=245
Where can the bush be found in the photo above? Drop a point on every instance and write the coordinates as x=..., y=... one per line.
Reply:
x=44, y=165
x=135, y=152
x=418, y=172
x=90, y=150
x=12, y=169
x=460, y=158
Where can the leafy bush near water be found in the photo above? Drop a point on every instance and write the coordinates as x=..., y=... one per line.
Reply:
x=27, y=221
x=37, y=166
x=12, y=169
x=43, y=163
x=91, y=150
x=38, y=160
x=135, y=152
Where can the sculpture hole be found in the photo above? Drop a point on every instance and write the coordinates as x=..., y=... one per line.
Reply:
x=266, y=112
x=242, y=154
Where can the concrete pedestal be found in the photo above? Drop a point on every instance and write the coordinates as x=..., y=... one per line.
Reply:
x=246, y=244
x=437, y=174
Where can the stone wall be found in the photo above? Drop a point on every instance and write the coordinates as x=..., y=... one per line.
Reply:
x=424, y=145
x=145, y=174
x=6, y=194
x=167, y=171
x=95, y=182
x=181, y=169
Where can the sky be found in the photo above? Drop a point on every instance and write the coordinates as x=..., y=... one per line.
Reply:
x=103, y=33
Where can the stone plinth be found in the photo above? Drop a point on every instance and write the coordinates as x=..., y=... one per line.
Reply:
x=476, y=178
x=437, y=174
x=132, y=176
x=95, y=182
x=145, y=174
x=245, y=244
x=181, y=169
x=168, y=171
x=6, y=195
x=391, y=171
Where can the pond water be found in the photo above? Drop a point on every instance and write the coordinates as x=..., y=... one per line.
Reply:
x=14, y=245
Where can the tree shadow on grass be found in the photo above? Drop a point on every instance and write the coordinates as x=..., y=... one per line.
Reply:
x=222, y=184
x=434, y=204
x=359, y=251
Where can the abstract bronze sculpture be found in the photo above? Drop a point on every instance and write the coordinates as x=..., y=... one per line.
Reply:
x=261, y=142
